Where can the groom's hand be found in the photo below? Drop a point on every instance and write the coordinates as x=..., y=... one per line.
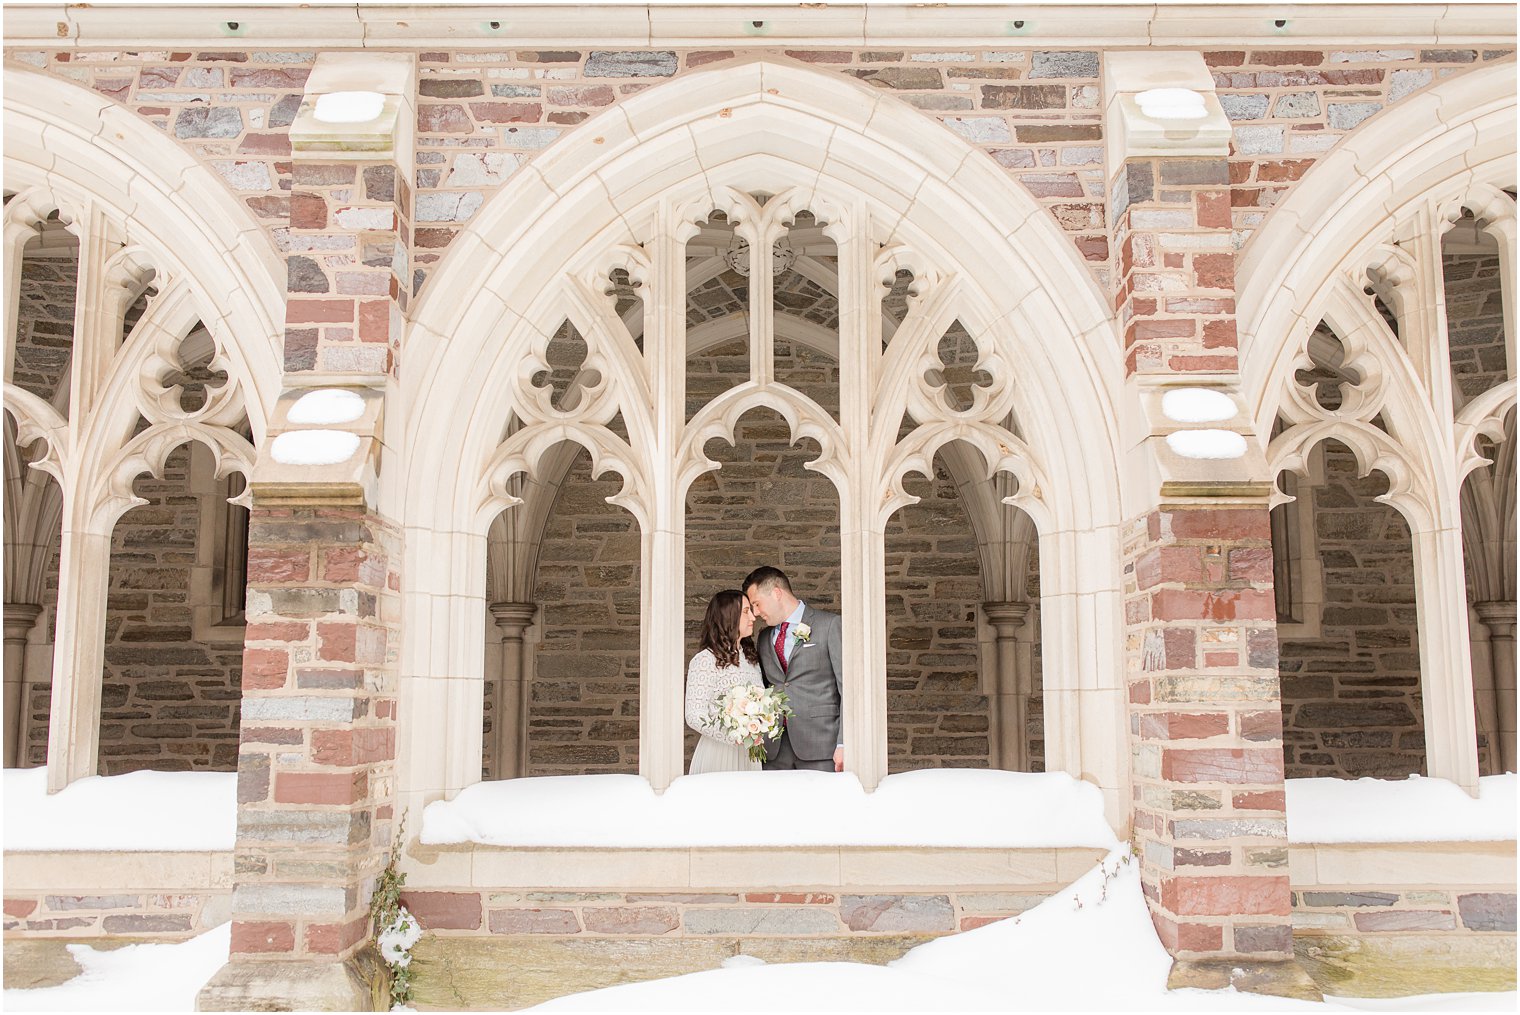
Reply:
x=839, y=759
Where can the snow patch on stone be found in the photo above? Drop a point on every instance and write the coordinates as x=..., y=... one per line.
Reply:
x=314, y=447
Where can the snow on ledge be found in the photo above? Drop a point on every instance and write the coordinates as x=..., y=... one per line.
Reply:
x=946, y=807
x=140, y=811
x=1408, y=810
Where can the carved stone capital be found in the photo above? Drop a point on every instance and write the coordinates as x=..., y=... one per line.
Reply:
x=1497, y=615
x=19, y=618
x=513, y=618
x=1006, y=617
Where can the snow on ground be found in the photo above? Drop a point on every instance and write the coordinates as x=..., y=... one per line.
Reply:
x=948, y=807
x=146, y=977
x=1415, y=809
x=139, y=811
x=1101, y=955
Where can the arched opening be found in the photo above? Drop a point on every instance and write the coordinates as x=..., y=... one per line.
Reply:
x=841, y=241
x=1351, y=692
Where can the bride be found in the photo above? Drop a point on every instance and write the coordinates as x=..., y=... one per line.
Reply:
x=727, y=658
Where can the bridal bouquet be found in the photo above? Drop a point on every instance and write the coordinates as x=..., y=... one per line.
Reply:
x=749, y=715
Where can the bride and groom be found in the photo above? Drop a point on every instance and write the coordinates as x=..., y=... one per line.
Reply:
x=765, y=635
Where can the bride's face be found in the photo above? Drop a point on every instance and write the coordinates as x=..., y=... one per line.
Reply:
x=746, y=619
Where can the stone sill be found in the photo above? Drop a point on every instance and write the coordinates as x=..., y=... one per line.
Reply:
x=77, y=26
x=86, y=872
x=1402, y=864
x=717, y=869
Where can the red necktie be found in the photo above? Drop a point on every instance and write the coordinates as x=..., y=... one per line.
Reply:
x=781, y=645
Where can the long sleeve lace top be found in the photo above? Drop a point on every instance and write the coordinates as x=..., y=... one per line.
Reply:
x=705, y=682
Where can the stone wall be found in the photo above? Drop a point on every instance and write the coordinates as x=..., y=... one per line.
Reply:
x=484, y=113
x=154, y=895
x=1351, y=696
x=168, y=702
x=45, y=323
x=1475, y=321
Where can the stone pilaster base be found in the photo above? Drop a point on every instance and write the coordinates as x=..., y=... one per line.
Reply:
x=359, y=983
x=1284, y=978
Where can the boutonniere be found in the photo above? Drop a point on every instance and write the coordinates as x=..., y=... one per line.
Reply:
x=803, y=633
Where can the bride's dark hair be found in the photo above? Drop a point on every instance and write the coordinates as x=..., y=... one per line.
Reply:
x=720, y=629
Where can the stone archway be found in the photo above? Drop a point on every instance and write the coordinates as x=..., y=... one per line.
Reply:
x=615, y=195
x=1366, y=223
x=144, y=211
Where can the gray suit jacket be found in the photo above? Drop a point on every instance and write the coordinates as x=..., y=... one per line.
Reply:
x=813, y=682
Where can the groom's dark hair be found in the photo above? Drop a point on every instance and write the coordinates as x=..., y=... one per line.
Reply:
x=767, y=577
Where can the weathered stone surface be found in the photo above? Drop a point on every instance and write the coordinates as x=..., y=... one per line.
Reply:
x=761, y=920
x=31, y=964
x=1064, y=65
x=1346, y=115
x=610, y=64
x=1488, y=911
x=1243, y=107
x=147, y=923
x=1405, y=964
x=533, y=921
x=1350, y=898
x=208, y=121
x=630, y=919
x=897, y=913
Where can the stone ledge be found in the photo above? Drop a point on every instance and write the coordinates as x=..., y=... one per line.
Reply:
x=842, y=869
x=1390, y=864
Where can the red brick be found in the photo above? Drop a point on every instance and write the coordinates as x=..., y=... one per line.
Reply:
x=1212, y=208
x=320, y=787
x=20, y=908
x=1169, y=564
x=1220, y=334
x=1232, y=895
x=353, y=746
x=1266, y=800
x=1214, y=271
x=304, y=311
x=265, y=144
x=507, y=112
x=1200, y=937
x=1213, y=660
x=265, y=669
x=1140, y=692
x=1220, y=524
x=1225, y=58
x=276, y=632
x=1153, y=330
x=1184, y=725
x=336, y=642
x=307, y=211
x=701, y=57
x=1290, y=169
x=973, y=922
x=1241, y=765
x=1264, y=725
x=262, y=937
x=444, y=910
x=336, y=938
x=375, y=321
x=1251, y=564
x=268, y=565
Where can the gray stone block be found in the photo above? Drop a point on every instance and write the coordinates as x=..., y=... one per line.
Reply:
x=899, y=913
x=205, y=121
x=761, y=920
x=1488, y=911
x=607, y=64
x=1061, y=64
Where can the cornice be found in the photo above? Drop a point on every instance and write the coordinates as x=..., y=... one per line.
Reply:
x=376, y=26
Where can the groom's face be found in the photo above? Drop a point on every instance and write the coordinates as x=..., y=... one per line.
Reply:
x=766, y=604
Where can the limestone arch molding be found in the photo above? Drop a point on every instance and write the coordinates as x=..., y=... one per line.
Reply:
x=1381, y=202
x=145, y=212
x=624, y=185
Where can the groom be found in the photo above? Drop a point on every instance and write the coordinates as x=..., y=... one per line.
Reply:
x=800, y=653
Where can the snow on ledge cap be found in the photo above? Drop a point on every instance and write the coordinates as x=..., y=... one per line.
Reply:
x=314, y=447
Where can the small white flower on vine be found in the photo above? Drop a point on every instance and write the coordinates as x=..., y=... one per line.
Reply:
x=803, y=633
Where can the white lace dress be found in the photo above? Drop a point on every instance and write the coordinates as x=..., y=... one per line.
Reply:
x=704, y=683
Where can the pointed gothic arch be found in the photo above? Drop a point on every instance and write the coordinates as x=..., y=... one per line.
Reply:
x=623, y=190
x=1365, y=222
x=142, y=209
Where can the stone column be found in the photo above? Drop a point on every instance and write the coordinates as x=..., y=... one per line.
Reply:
x=1499, y=618
x=1013, y=687
x=19, y=618
x=79, y=652
x=511, y=735
x=316, y=768
x=1200, y=633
